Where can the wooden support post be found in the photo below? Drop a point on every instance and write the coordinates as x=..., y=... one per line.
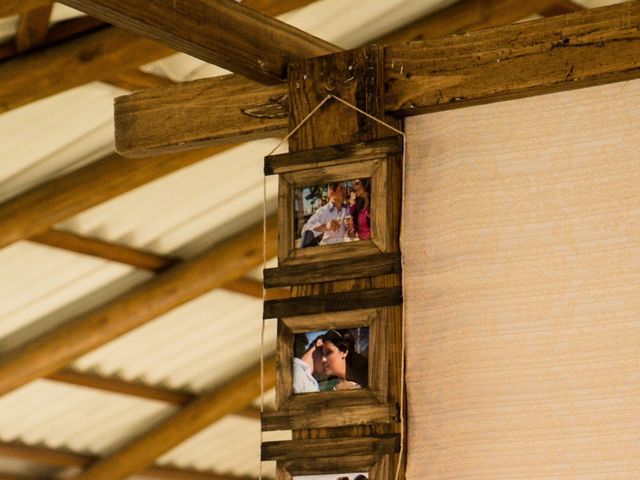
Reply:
x=358, y=78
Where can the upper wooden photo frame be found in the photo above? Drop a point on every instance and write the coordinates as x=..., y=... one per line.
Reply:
x=379, y=164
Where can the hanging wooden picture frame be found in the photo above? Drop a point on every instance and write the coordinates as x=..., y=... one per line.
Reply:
x=319, y=241
x=303, y=401
x=350, y=457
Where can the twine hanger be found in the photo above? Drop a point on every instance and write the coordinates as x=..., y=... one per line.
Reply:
x=264, y=261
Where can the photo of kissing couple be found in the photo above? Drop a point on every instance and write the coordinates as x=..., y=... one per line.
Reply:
x=331, y=360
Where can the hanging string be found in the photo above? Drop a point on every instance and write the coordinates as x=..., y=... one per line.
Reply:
x=264, y=261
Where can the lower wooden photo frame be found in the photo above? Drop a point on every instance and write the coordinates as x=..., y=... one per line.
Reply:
x=334, y=458
x=353, y=400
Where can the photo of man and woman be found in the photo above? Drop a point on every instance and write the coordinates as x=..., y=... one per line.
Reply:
x=333, y=213
x=331, y=360
x=334, y=476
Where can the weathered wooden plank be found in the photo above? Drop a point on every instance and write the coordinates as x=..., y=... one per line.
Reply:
x=221, y=32
x=315, y=416
x=34, y=211
x=142, y=451
x=32, y=27
x=91, y=57
x=332, y=302
x=558, y=53
x=53, y=350
x=601, y=45
x=327, y=156
x=368, y=266
x=199, y=113
x=335, y=447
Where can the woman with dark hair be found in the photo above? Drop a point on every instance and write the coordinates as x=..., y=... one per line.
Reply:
x=360, y=210
x=345, y=368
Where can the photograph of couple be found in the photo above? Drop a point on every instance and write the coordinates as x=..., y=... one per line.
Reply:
x=334, y=476
x=334, y=213
x=330, y=360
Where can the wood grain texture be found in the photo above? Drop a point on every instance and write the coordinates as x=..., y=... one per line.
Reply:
x=332, y=155
x=581, y=49
x=232, y=36
x=51, y=351
x=332, y=302
x=328, y=271
x=333, y=447
x=34, y=211
x=523, y=288
x=72, y=63
x=64, y=458
x=199, y=113
x=142, y=452
x=585, y=48
x=350, y=122
x=33, y=27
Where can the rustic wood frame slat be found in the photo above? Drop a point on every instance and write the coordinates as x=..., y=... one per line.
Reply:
x=336, y=408
x=321, y=166
x=333, y=456
x=332, y=302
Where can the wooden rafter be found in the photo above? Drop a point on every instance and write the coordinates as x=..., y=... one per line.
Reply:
x=33, y=27
x=233, y=36
x=420, y=77
x=91, y=57
x=140, y=259
x=142, y=452
x=140, y=390
x=59, y=458
x=36, y=210
x=46, y=354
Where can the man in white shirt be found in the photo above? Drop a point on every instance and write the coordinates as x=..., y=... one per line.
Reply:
x=333, y=220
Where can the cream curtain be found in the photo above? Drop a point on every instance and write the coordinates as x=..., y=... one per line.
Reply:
x=521, y=243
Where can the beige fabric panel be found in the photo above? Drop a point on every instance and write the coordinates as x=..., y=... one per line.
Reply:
x=521, y=246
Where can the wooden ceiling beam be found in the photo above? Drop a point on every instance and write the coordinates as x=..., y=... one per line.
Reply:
x=221, y=32
x=421, y=77
x=64, y=459
x=141, y=259
x=140, y=390
x=35, y=211
x=581, y=49
x=73, y=63
x=142, y=451
x=33, y=27
x=109, y=251
x=225, y=262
